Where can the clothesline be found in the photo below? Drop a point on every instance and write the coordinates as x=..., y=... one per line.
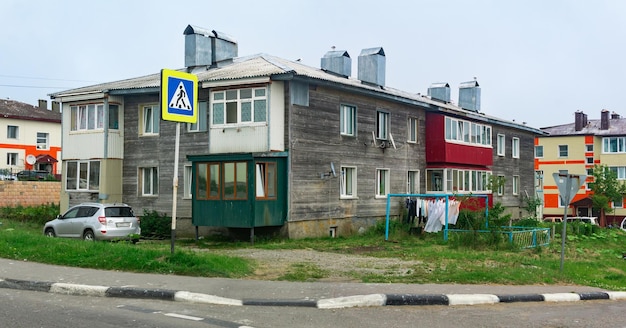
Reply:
x=441, y=211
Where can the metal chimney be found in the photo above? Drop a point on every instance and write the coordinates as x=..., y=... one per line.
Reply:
x=439, y=91
x=197, y=46
x=469, y=96
x=337, y=62
x=372, y=66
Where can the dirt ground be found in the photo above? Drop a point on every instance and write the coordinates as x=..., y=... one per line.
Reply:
x=273, y=264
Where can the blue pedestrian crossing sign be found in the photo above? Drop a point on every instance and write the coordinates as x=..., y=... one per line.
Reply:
x=179, y=96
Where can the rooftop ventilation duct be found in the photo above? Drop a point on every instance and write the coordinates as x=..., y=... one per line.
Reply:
x=337, y=62
x=207, y=48
x=469, y=96
x=372, y=66
x=439, y=91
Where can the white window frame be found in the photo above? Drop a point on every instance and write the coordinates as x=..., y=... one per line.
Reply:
x=589, y=160
x=383, y=181
x=566, y=150
x=12, y=159
x=13, y=132
x=347, y=120
x=501, y=144
x=87, y=175
x=222, y=101
x=516, y=186
x=618, y=205
x=515, y=147
x=382, y=124
x=412, y=130
x=149, y=120
x=187, y=179
x=539, y=180
x=589, y=148
x=43, y=140
x=613, y=145
x=413, y=182
x=462, y=131
x=500, y=191
x=201, y=123
x=537, y=148
x=348, y=179
x=148, y=181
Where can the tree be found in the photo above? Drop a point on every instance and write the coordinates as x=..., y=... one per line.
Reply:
x=605, y=189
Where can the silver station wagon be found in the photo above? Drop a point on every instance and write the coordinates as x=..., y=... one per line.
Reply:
x=94, y=221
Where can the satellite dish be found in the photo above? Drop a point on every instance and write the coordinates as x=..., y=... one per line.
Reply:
x=332, y=170
x=30, y=159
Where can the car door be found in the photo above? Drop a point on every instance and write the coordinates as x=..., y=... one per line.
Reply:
x=65, y=227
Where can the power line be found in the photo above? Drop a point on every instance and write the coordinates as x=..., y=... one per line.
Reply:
x=44, y=78
x=33, y=86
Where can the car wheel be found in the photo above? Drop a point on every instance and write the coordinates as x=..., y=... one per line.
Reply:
x=49, y=233
x=88, y=235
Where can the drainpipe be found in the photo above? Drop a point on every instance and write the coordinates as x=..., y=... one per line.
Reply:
x=106, y=125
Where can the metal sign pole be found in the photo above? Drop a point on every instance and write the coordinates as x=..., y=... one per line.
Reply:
x=566, y=196
x=175, y=186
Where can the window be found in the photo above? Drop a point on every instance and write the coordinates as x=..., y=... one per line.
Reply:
x=500, y=185
x=201, y=123
x=539, y=180
x=382, y=125
x=12, y=132
x=91, y=117
x=412, y=130
x=619, y=171
x=239, y=106
x=149, y=181
x=515, y=148
x=589, y=160
x=516, y=185
x=11, y=159
x=501, y=144
x=434, y=180
x=82, y=175
x=614, y=145
x=382, y=182
x=347, y=120
x=589, y=148
x=150, y=117
x=413, y=182
x=42, y=140
x=562, y=150
x=208, y=182
x=348, y=182
x=538, y=151
x=266, y=180
x=235, y=179
x=467, y=132
x=187, y=181
x=229, y=180
x=618, y=203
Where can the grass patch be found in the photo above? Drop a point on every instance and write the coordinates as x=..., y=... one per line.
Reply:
x=592, y=259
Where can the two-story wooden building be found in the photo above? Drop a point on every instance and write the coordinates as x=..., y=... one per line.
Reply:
x=279, y=144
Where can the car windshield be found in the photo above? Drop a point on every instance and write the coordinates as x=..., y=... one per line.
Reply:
x=119, y=212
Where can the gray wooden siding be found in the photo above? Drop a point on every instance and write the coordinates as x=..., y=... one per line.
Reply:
x=315, y=142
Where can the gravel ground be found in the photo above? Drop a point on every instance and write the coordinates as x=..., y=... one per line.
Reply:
x=272, y=264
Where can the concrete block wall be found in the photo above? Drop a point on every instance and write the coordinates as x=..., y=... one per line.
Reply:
x=29, y=193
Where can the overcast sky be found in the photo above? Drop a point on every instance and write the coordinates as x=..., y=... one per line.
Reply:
x=536, y=61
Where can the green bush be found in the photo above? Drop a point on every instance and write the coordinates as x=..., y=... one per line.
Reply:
x=34, y=214
x=155, y=225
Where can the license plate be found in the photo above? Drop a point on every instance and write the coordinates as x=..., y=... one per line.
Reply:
x=122, y=224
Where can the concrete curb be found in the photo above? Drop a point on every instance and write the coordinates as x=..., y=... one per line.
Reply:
x=332, y=303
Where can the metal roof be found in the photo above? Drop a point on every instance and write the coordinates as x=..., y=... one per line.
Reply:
x=617, y=126
x=19, y=110
x=264, y=65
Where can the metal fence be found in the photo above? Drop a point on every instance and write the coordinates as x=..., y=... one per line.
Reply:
x=523, y=237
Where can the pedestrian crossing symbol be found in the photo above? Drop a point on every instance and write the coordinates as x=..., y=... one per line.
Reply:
x=179, y=96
